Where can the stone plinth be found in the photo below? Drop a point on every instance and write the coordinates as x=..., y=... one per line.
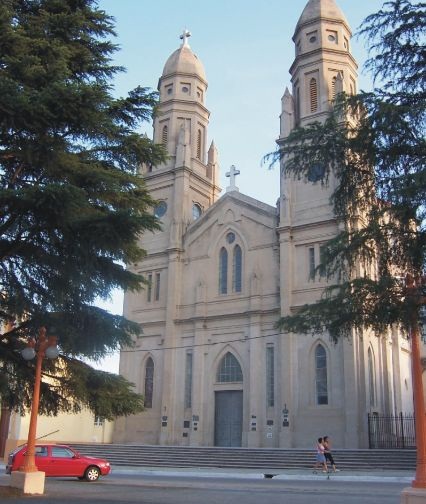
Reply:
x=412, y=495
x=28, y=482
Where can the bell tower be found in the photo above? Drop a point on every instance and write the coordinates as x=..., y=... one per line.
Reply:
x=186, y=184
x=323, y=67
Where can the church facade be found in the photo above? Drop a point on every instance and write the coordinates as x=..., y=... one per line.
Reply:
x=214, y=369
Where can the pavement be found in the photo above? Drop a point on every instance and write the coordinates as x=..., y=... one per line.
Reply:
x=390, y=476
x=279, y=474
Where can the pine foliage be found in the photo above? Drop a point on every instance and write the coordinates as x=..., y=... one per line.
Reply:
x=72, y=202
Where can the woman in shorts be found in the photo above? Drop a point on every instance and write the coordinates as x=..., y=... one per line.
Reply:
x=320, y=459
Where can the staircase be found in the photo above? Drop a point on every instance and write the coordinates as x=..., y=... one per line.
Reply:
x=245, y=458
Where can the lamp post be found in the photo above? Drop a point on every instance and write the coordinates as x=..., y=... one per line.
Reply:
x=414, y=288
x=28, y=477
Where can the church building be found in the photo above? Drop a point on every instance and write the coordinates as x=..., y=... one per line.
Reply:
x=213, y=367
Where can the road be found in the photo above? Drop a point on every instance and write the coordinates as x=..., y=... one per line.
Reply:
x=134, y=488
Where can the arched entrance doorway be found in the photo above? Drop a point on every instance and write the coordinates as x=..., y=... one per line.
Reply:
x=228, y=422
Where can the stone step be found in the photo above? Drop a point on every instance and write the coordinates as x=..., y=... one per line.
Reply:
x=244, y=458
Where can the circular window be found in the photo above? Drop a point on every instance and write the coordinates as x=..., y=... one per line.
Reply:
x=230, y=237
x=196, y=211
x=160, y=209
x=312, y=39
x=332, y=38
x=169, y=90
x=185, y=89
x=316, y=172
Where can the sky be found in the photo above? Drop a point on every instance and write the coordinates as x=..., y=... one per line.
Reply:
x=246, y=48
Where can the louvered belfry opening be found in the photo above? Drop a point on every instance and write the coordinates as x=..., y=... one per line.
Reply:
x=313, y=94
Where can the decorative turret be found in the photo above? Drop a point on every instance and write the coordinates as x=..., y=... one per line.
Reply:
x=213, y=164
x=287, y=114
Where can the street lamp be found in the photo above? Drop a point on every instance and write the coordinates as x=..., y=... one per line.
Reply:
x=422, y=319
x=28, y=477
x=414, y=289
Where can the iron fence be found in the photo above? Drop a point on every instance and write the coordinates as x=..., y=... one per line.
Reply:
x=391, y=431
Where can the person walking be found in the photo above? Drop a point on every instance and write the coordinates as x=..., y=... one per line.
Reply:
x=327, y=453
x=320, y=458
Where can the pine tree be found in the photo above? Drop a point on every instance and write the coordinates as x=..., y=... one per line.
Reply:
x=373, y=144
x=72, y=202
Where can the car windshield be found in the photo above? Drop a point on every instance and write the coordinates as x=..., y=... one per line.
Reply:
x=15, y=450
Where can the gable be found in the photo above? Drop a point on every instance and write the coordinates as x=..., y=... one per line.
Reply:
x=253, y=220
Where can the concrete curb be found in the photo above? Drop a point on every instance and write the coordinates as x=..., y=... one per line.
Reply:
x=291, y=474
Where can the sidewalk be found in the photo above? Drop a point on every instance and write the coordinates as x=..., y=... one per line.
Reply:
x=279, y=474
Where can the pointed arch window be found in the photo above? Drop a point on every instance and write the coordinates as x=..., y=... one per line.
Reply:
x=313, y=94
x=229, y=370
x=371, y=378
x=297, y=105
x=333, y=87
x=223, y=271
x=237, y=261
x=149, y=382
x=321, y=387
x=230, y=274
x=165, y=135
x=199, y=143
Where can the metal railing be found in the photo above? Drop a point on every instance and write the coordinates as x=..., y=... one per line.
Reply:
x=391, y=431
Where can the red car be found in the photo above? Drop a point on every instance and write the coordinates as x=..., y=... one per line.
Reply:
x=60, y=460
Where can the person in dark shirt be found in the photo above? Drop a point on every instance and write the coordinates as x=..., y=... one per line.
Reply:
x=328, y=454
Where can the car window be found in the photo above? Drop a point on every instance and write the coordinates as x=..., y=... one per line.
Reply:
x=60, y=451
x=41, y=451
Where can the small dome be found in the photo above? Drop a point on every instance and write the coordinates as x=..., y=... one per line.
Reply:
x=316, y=9
x=183, y=60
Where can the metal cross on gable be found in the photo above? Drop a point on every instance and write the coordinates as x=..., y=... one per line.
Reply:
x=184, y=37
x=233, y=172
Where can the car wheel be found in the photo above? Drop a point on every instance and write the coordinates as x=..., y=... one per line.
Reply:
x=92, y=473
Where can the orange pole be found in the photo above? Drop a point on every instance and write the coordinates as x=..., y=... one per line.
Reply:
x=29, y=463
x=419, y=408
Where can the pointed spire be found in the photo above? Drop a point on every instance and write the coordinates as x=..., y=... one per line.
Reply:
x=287, y=100
x=213, y=163
x=287, y=117
x=212, y=154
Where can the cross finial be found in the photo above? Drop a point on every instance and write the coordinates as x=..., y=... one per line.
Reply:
x=184, y=37
x=233, y=172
